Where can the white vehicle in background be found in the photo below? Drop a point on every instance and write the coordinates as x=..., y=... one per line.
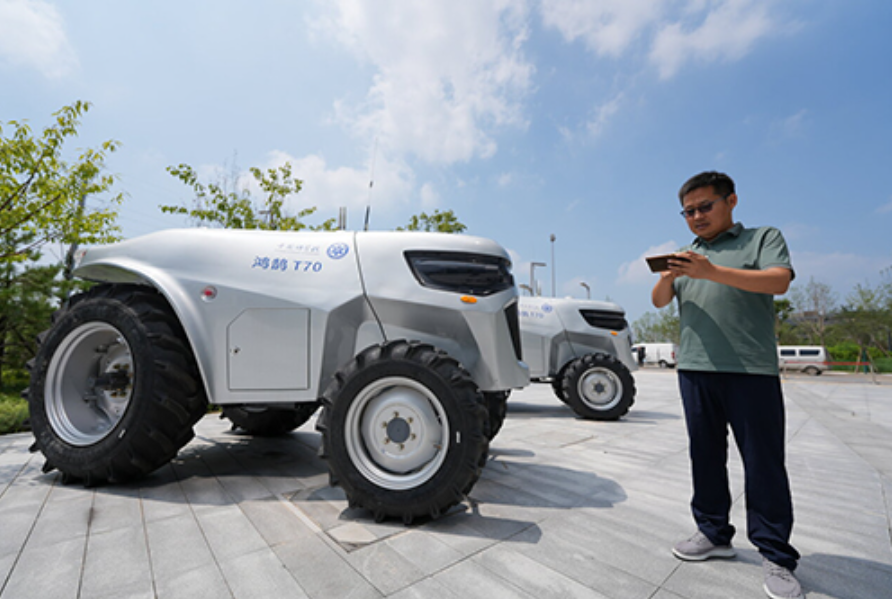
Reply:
x=664, y=355
x=583, y=348
x=408, y=341
x=810, y=359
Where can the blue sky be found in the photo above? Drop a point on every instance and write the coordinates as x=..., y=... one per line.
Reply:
x=578, y=118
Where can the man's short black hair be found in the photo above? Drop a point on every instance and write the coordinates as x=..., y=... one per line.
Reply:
x=721, y=183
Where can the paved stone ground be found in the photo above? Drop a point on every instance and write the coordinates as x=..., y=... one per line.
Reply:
x=565, y=508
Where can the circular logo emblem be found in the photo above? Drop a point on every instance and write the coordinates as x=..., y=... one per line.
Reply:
x=547, y=308
x=336, y=251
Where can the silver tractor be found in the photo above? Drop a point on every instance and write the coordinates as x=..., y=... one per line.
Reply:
x=584, y=349
x=409, y=342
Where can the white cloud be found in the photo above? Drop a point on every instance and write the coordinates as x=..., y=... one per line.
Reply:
x=446, y=73
x=603, y=114
x=430, y=198
x=637, y=272
x=607, y=27
x=696, y=31
x=727, y=32
x=331, y=188
x=32, y=35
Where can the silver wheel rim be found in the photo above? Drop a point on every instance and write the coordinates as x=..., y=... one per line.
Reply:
x=397, y=433
x=600, y=388
x=89, y=383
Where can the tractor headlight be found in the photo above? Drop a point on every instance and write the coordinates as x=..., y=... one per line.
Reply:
x=461, y=272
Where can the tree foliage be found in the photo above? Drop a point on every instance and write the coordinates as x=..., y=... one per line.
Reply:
x=816, y=302
x=226, y=204
x=439, y=222
x=43, y=196
x=664, y=326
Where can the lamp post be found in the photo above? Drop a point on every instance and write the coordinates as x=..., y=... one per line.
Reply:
x=526, y=287
x=588, y=290
x=553, y=265
x=533, y=266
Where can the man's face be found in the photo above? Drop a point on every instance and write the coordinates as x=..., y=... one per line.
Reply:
x=712, y=213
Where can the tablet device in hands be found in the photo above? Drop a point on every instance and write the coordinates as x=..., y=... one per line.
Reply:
x=661, y=263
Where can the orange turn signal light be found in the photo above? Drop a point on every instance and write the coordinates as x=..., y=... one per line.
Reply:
x=469, y=299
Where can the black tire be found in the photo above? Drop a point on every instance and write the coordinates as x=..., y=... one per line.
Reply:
x=403, y=431
x=557, y=385
x=263, y=421
x=812, y=370
x=497, y=409
x=664, y=364
x=599, y=387
x=115, y=389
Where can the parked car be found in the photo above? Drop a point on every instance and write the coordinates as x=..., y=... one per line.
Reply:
x=810, y=359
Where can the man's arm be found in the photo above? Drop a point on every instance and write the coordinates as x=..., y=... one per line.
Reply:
x=773, y=281
x=663, y=292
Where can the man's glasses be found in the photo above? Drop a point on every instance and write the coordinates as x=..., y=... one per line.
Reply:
x=704, y=208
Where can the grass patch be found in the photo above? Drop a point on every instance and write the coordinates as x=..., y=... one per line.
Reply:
x=13, y=413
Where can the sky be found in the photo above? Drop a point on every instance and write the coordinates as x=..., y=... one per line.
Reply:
x=577, y=119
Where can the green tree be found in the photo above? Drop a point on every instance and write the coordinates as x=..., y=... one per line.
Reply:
x=664, y=326
x=43, y=196
x=28, y=292
x=439, y=222
x=226, y=205
x=867, y=316
x=814, y=303
x=43, y=199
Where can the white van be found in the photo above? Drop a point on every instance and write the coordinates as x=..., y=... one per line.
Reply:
x=663, y=355
x=810, y=359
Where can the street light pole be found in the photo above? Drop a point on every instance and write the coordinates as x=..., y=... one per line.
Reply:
x=588, y=290
x=553, y=264
x=533, y=266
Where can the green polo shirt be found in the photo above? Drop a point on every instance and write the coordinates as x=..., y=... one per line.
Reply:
x=725, y=329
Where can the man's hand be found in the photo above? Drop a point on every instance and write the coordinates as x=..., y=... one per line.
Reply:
x=774, y=280
x=694, y=265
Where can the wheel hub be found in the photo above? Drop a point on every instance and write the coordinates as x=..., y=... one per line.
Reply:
x=600, y=388
x=89, y=383
x=402, y=433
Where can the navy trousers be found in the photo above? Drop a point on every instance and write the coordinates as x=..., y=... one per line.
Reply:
x=753, y=407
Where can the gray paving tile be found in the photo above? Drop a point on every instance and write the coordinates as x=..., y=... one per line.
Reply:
x=229, y=532
x=260, y=575
x=470, y=579
x=564, y=507
x=47, y=572
x=116, y=564
x=384, y=568
x=177, y=546
x=532, y=576
x=200, y=583
x=322, y=571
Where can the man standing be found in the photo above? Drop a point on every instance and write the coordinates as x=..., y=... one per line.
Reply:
x=725, y=282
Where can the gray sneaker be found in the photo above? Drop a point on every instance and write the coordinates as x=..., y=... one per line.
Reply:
x=780, y=582
x=699, y=548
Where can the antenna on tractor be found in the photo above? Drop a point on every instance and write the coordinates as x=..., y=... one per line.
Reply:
x=368, y=206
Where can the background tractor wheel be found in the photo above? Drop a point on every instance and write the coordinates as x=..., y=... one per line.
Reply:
x=599, y=387
x=262, y=421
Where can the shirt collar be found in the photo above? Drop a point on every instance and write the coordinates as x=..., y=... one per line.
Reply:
x=735, y=231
